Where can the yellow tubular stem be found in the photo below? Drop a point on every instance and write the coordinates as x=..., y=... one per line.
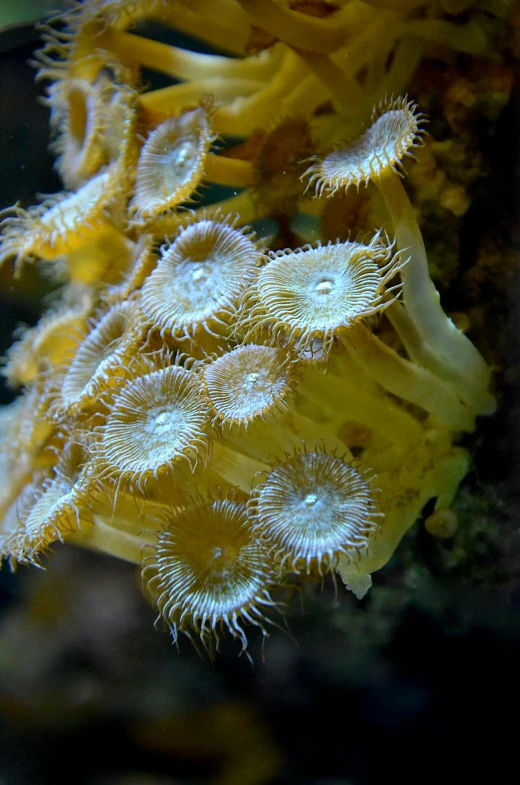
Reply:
x=301, y=428
x=184, y=64
x=130, y=13
x=360, y=50
x=307, y=32
x=344, y=90
x=105, y=538
x=310, y=93
x=242, y=204
x=338, y=72
x=51, y=247
x=228, y=12
x=235, y=468
x=359, y=400
x=469, y=38
x=478, y=399
x=228, y=171
x=280, y=435
x=419, y=294
x=408, y=55
x=433, y=469
x=108, y=249
x=244, y=115
x=221, y=24
x=450, y=474
x=306, y=97
x=408, y=381
x=167, y=100
x=377, y=51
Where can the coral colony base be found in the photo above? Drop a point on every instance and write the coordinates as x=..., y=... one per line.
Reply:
x=225, y=415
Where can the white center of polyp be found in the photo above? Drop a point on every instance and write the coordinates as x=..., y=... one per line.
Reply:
x=216, y=553
x=252, y=377
x=161, y=418
x=310, y=499
x=182, y=154
x=325, y=287
x=198, y=274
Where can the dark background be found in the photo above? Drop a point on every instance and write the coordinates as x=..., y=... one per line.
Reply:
x=417, y=683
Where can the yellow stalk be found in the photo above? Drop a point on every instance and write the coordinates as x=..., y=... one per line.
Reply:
x=307, y=32
x=169, y=100
x=108, y=252
x=242, y=204
x=419, y=294
x=335, y=76
x=408, y=381
x=229, y=171
x=105, y=538
x=350, y=394
x=469, y=38
x=433, y=469
x=477, y=398
x=377, y=48
x=407, y=56
x=237, y=469
x=343, y=88
x=306, y=97
x=244, y=115
x=183, y=64
x=279, y=434
x=220, y=23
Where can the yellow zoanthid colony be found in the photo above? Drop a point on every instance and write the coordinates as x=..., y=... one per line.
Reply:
x=202, y=401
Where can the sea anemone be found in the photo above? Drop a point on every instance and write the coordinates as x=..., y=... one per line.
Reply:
x=310, y=353
x=320, y=292
x=15, y=462
x=80, y=154
x=247, y=383
x=155, y=421
x=394, y=132
x=61, y=223
x=312, y=507
x=100, y=359
x=171, y=163
x=430, y=337
x=142, y=260
x=51, y=506
x=29, y=427
x=45, y=346
x=93, y=123
x=11, y=532
x=209, y=572
x=207, y=267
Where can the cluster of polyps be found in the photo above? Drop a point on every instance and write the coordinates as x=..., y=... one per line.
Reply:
x=225, y=415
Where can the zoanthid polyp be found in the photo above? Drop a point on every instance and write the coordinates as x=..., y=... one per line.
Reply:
x=233, y=411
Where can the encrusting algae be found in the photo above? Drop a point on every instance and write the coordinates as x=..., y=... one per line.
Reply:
x=224, y=411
